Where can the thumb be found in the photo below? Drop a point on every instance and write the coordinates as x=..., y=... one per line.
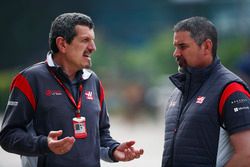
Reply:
x=130, y=143
x=55, y=134
x=126, y=145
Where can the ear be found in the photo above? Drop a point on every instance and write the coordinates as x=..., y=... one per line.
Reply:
x=207, y=46
x=61, y=44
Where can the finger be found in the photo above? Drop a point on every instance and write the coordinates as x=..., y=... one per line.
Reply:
x=137, y=156
x=130, y=143
x=54, y=145
x=64, y=145
x=125, y=145
x=68, y=143
x=68, y=140
x=55, y=134
x=141, y=151
x=130, y=154
x=136, y=153
x=65, y=142
x=131, y=151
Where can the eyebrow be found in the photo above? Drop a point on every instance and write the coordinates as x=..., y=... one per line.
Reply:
x=85, y=36
x=180, y=44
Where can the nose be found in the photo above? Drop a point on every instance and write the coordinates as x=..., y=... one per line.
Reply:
x=92, y=46
x=176, y=53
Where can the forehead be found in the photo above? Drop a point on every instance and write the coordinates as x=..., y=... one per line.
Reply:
x=182, y=37
x=82, y=30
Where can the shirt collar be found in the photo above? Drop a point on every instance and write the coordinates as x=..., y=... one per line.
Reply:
x=86, y=73
x=198, y=74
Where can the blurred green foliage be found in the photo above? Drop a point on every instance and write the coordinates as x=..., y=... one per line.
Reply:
x=144, y=63
x=230, y=49
x=6, y=78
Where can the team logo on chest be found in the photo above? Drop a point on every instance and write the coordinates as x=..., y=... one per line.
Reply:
x=50, y=92
x=89, y=95
x=200, y=99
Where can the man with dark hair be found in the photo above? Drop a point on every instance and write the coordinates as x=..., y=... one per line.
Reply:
x=56, y=114
x=209, y=101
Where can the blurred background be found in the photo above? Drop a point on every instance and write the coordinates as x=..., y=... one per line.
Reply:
x=133, y=57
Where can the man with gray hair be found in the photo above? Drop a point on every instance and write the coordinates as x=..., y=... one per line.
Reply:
x=208, y=103
x=56, y=115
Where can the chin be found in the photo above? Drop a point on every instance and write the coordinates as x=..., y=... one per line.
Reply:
x=87, y=65
x=181, y=69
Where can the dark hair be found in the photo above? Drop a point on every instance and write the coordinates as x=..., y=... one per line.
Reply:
x=200, y=29
x=64, y=26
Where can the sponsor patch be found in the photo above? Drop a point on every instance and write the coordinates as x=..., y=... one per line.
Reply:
x=200, y=99
x=239, y=101
x=89, y=95
x=236, y=109
x=12, y=103
x=50, y=92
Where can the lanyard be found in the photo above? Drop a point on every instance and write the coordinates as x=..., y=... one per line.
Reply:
x=70, y=96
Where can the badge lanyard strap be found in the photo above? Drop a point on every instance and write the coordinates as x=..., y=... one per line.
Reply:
x=79, y=103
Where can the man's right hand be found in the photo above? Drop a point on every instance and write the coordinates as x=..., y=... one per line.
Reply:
x=61, y=146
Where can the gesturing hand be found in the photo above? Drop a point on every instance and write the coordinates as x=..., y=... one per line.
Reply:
x=61, y=146
x=125, y=152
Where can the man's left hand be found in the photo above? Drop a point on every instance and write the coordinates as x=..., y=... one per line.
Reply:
x=125, y=152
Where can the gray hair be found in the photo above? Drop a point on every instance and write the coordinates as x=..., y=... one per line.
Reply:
x=200, y=29
x=64, y=26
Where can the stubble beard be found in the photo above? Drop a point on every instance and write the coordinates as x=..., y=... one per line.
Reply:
x=181, y=64
x=89, y=65
x=180, y=69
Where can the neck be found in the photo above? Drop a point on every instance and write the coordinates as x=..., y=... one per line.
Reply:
x=208, y=60
x=67, y=69
x=71, y=74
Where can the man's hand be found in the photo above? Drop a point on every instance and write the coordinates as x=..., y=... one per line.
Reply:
x=61, y=146
x=125, y=152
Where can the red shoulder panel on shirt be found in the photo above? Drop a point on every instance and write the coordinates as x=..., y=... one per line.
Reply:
x=230, y=89
x=22, y=84
x=101, y=98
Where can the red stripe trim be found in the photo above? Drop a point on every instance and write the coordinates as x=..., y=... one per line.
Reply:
x=101, y=98
x=12, y=83
x=229, y=90
x=22, y=84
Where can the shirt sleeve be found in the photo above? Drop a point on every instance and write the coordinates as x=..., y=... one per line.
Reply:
x=234, y=108
x=16, y=135
x=105, y=155
x=105, y=138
